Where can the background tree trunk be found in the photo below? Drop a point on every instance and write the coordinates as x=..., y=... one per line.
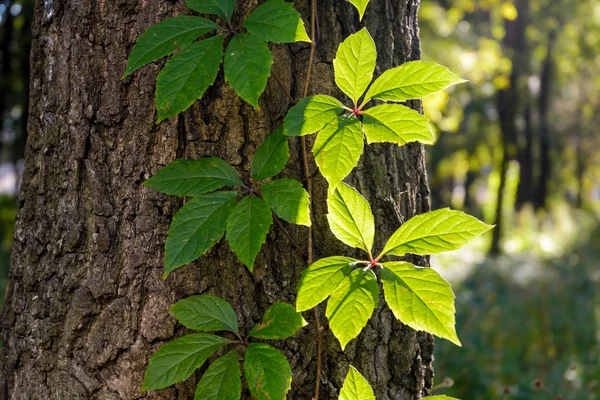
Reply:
x=86, y=304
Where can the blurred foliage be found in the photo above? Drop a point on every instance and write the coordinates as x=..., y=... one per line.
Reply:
x=8, y=212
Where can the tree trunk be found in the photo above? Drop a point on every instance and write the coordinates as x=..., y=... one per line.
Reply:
x=86, y=304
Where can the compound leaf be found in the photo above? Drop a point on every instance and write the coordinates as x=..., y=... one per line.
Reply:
x=276, y=21
x=420, y=298
x=271, y=156
x=350, y=217
x=165, y=37
x=248, y=66
x=288, y=199
x=221, y=8
x=311, y=114
x=187, y=75
x=354, y=64
x=280, y=321
x=338, y=148
x=411, y=80
x=267, y=371
x=222, y=380
x=356, y=387
x=435, y=232
x=205, y=312
x=320, y=279
x=351, y=304
x=197, y=227
x=178, y=359
x=396, y=124
x=194, y=177
x=247, y=228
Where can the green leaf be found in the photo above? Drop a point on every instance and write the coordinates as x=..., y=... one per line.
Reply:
x=197, y=227
x=222, y=8
x=311, y=114
x=320, y=279
x=187, y=75
x=351, y=304
x=396, y=124
x=420, y=298
x=247, y=228
x=354, y=64
x=435, y=232
x=267, y=371
x=205, y=312
x=356, y=387
x=248, y=66
x=411, y=80
x=222, y=380
x=276, y=21
x=194, y=177
x=178, y=359
x=361, y=6
x=350, y=217
x=338, y=148
x=288, y=200
x=165, y=37
x=280, y=321
x=271, y=156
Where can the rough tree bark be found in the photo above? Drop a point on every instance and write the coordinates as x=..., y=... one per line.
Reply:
x=86, y=303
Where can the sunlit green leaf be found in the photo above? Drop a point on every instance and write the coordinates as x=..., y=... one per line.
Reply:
x=356, y=387
x=280, y=321
x=420, y=298
x=411, y=80
x=222, y=380
x=288, y=199
x=267, y=371
x=178, y=359
x=320, y=279
x=354, y=64
x=350, y=217
x=187, y=75
x=276, y=21
x=205, y=312
x=194, y=177
x=338, y=148
x=311, y=114
x=396, y=124
x=222, y=8
x=361, y=6
x=247, y=228
x=165, y=37
x=197, y=227
x=247, y=66
x=271, y=156
x=351, y=304
x=435, y=232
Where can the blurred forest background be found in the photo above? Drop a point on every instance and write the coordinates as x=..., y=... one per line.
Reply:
x=519, y=146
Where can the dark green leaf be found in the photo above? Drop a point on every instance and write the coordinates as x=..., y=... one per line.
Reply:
x=247, y=228
x=276, y=21
x=280, y=321
x=197, y=227
x=222, y=380
x=248, y=66
x=396, y=124
x=271, y=156
x=187, y=75
x=178, y=359
x=194, y=177
x=311, y=114
x=222, y=8
x=165, y=37
x=205, y=312
x=268, y=372
x=289, y=200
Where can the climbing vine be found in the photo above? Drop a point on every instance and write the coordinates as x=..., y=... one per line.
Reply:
x=243, y=211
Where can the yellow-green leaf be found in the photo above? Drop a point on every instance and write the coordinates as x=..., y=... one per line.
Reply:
x=350, y=217
x=396, y=124
x=311, y=114
x=288, y=199
x=356, y=387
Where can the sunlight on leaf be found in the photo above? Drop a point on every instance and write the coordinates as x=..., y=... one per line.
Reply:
x=356, y=387
x=276, y=21
x=354, y=64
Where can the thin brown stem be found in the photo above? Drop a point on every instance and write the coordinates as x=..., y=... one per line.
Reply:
x=302, y=390
x=290, y=238
x=285, y=91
